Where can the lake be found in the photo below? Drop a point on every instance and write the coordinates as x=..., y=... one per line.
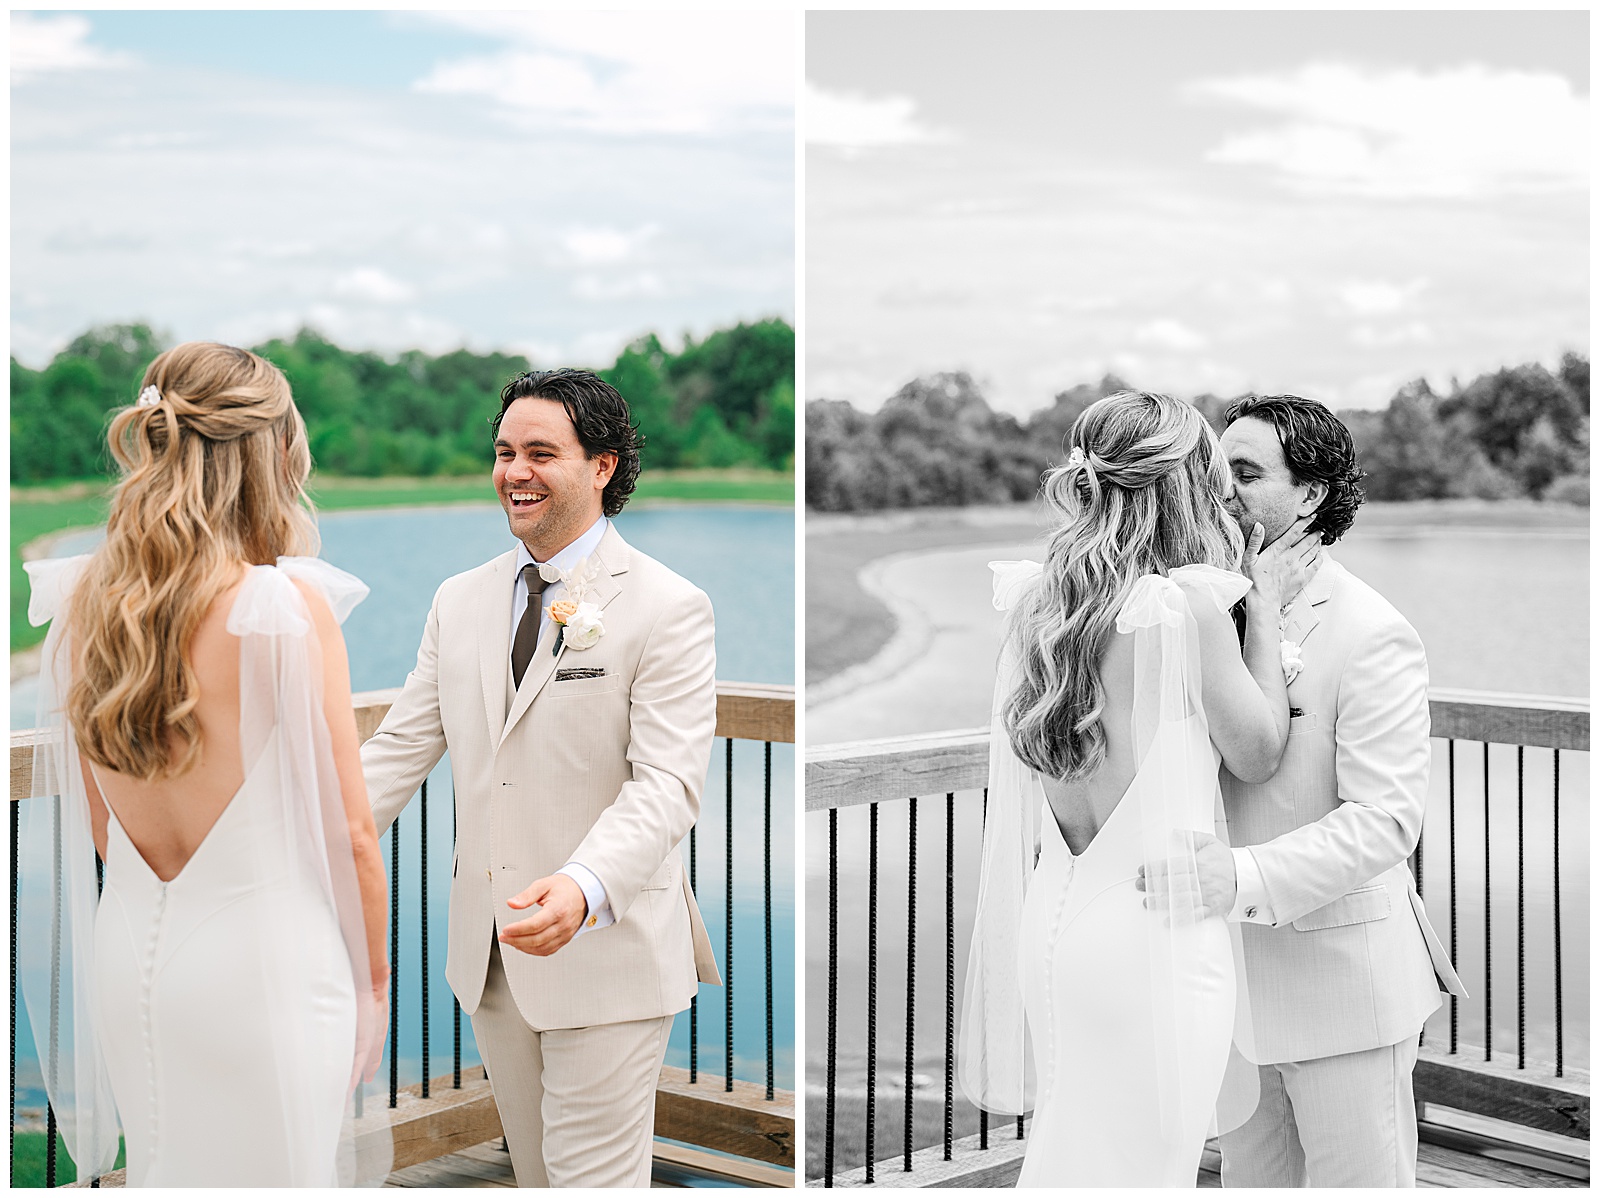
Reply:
x=743, y=558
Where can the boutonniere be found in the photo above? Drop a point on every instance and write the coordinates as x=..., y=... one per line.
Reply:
x=1288, y=651
x=578, y=621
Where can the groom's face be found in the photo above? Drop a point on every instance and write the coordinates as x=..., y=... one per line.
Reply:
x=1264, y=490
x=551, y=491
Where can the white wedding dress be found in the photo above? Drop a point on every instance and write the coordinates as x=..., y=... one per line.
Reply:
x=215, y=1012
x=1113, y=1022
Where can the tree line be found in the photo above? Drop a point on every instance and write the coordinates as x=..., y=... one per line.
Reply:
x=724, y=401
x=1521, y=431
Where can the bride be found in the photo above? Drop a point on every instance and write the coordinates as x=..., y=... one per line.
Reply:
x=1121, y=687
x=227, y=991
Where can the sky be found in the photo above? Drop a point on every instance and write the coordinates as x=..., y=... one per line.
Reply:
x=552, y=184
x=1331, y=203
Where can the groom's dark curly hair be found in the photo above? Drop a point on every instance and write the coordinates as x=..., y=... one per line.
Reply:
x=1317, y=448
x=599, y=415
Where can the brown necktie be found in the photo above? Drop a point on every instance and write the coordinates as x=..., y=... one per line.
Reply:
x=522, y=645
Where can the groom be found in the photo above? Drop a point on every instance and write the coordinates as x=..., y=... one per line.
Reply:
x=572, y=680
x=1343, y=966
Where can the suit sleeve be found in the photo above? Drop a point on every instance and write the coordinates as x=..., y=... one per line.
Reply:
x=1382, y=756
x=410, y=741
x=672, y=718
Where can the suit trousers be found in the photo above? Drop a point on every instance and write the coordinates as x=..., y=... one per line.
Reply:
x=1347, y=1120
x=578, y=1105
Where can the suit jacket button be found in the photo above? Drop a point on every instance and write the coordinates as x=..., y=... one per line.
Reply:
x=1249, y=912
x=489, y=873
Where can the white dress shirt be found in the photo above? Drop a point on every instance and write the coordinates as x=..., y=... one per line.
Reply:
x=599, y=913
x=1253, y=904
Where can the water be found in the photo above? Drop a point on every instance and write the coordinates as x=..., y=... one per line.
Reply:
x=743, y=558
x=1497, y=611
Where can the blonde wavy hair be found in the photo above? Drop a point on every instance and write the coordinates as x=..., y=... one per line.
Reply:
x=1142, y=493
x=214, y=461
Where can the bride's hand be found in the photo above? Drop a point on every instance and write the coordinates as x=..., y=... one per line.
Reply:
x=372, y=1028
x=1279, y=571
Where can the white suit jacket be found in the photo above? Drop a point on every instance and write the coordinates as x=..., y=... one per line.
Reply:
x=1351, y=962
x=604, y=770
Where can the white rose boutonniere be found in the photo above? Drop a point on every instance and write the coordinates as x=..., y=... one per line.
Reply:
x=1289, y=654
x=580, y=625
x=582, y=628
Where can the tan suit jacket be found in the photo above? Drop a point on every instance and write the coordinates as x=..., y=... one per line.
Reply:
x=605, y=771
x=1351, y=962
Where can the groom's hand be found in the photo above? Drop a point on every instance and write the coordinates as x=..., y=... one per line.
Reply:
x=561, y=910
x=1214, y=881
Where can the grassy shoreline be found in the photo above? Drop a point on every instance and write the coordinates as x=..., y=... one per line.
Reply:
x=62, y=507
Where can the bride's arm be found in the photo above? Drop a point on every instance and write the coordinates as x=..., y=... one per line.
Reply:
x=352, y=784
x=1243, y=691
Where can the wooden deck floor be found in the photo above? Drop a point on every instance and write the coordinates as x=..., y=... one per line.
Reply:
x=488, y=1165
x=1440, y=1167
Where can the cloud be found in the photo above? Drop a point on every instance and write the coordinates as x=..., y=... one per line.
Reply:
x=1413, y=332
x=369, y=284
x=602, y=246
x=630, y=72
x=1166, y=333
x=645, y=284
x=41, y=45
x=1376, y=297
x=848, y=121
x=1403, y=133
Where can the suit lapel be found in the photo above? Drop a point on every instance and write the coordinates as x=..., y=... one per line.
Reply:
x=494, y=646
x=1303, y=613
x=612, y=554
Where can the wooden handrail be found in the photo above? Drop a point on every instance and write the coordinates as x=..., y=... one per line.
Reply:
x=872, y=771
x=745, y=711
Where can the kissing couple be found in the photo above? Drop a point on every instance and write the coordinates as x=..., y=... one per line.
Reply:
x=1208, y=766
x=224, y=998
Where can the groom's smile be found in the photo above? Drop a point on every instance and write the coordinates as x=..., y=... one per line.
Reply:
x=549, y=486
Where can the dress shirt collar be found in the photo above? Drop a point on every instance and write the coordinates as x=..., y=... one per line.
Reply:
x=565, y=559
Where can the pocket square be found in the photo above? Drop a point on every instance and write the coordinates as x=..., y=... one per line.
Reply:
x=579, y=672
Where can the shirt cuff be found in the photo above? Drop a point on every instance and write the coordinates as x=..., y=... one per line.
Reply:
x=594, y=894
x=1252, y=904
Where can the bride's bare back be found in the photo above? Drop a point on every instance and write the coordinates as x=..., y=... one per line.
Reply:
x=168, y=819
x=1247, y=727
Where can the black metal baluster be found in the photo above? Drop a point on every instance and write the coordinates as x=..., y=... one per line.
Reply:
x=422, y=858
x=1019, y=1126
x=872, y=993
x=949, y=971
x=1488, y=908
x=1454, y=956
x=833, y=990
x=911, y=977
x=694, y=1001
x=1556, y=894
x=394, y=963
x=1522, y=989
x=983, y=1116
x=49, y=1146
x=15, y=837
x=455, y=1003
x=55, y=992
x=728, y=951
x=766, y=901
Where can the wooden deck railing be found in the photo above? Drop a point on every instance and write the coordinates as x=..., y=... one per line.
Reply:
x=855, y=1141
x=441, y=1115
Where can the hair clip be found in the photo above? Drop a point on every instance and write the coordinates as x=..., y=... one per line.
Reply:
x=1076, y=458
x=149, y=397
